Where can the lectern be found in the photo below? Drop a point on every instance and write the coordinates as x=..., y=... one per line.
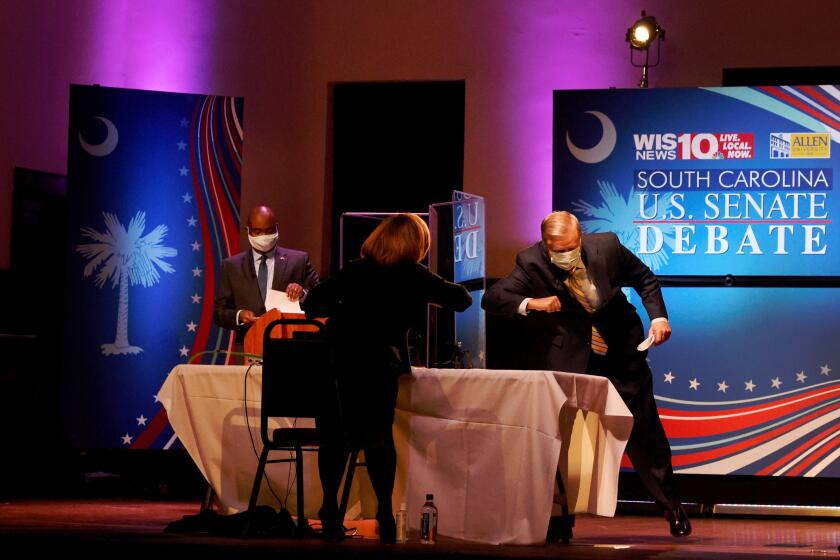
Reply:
x=253, y=343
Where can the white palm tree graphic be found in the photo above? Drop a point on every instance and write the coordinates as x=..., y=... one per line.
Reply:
x=617, y=214
x=125, y=256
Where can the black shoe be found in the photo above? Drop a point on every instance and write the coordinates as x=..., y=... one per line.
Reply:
x=560, y=529
x=331, y=528
x=387, y=529
x=678, y=522
x=333, y=533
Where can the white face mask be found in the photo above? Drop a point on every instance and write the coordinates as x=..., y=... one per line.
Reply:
x=567, y=260
x=263, y=243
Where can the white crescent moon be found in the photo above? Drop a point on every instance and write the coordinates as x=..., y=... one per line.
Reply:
x=600, y=151
x=107, y=146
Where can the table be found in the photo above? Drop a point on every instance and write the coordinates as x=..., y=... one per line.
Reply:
x=487, y=443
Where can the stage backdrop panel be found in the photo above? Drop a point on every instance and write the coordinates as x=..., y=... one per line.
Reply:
x=153, y=208
x=705, y=181
x=717, y=181
x=747, y=384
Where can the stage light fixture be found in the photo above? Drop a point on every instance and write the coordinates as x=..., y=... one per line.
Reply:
x=641, y=35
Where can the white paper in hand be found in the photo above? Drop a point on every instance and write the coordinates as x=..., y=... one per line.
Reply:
x=645, y=344
x=280, y=301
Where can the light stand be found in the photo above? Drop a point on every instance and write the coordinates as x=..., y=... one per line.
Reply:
x=640, y=35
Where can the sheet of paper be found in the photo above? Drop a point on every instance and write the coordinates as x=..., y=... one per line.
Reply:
x=280, y=301
x=645, y=344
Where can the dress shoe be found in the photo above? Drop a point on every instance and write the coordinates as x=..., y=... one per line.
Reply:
x=387, y=529
x=560, y=529
x=678, y=522
x=333, y=533
x=331, y=528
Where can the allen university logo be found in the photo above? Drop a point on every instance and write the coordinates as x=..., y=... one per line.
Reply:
x=793, y=145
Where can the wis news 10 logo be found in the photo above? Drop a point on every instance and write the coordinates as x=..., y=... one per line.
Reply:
x=793, y=145
x=706, y=145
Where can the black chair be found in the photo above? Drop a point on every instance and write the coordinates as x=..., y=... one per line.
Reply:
x=298, y=381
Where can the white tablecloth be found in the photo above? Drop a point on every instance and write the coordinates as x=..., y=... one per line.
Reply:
x=487, y=443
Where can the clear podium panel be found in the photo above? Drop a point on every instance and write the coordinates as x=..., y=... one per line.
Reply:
x=458, y=254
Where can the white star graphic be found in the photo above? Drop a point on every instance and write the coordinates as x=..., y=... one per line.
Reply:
x=801, y=377
x=187, y=197
x=196, y=298
x=693, y=384
x=127, y=439
x=192, y=221
x=182, y=146
x=142, y=420
x=157, y=398
x=183, y=171
x=669, y=377
x=191, y=326
x=196, y=245
x=196, y=272
x=824, y=370
x=722, y=386
x=185, y=123
x=749, y=386
x=776, y=382
x=184, y=352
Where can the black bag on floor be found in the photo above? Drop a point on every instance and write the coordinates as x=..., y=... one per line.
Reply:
x=266, y=522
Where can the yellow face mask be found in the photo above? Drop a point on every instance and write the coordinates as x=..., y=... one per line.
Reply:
x=567, y=260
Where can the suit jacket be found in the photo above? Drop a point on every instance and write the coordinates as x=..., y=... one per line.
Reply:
x=371, y=308
x=561, y=341
x=238, y=288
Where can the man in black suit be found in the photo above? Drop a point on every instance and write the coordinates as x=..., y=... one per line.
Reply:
x=568, y=288
x=246, y=277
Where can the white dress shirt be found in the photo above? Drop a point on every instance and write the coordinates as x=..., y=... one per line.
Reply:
x=269, y=262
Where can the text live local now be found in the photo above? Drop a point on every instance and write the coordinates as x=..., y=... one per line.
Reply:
x=706, y=145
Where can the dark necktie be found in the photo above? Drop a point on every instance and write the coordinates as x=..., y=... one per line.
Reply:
x=262, y=277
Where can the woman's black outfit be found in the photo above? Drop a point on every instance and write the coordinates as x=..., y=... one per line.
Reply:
x=371, y=308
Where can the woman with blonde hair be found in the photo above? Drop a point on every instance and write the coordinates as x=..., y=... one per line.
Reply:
x=371, y=304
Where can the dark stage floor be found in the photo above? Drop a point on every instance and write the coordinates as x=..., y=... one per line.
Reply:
x=133, y=528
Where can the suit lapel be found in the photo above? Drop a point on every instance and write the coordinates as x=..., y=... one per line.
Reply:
x=280, y=262
x=595, y=264
x=249, y=273
x=553, y=275
x=248, y=270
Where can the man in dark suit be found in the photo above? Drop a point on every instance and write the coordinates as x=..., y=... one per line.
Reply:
x=568, y=290
x=247, y=277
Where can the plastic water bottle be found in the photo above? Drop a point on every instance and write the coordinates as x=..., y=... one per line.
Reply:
x=458, y=355
x=428, y=521
x=402, y=524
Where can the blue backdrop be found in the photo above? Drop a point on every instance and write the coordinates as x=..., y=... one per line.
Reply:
x=153, y=207
x=691, y=181
x=714, y=181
